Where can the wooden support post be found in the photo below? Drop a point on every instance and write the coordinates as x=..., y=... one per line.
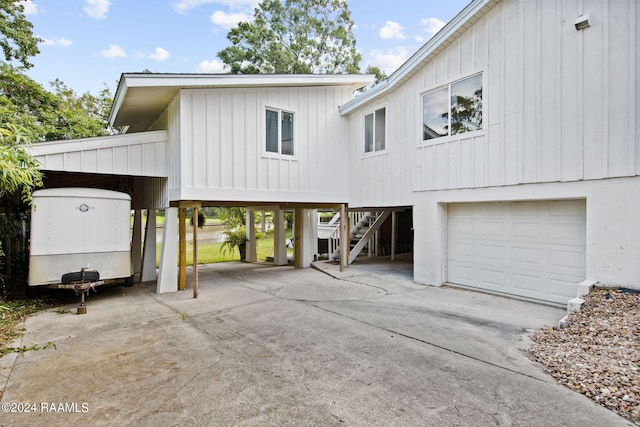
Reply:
x=195, y=252
x=344, y=237
x=393, y=235
x=182, y=226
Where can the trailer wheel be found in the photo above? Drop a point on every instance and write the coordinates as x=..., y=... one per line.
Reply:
x=128, y=282
x=79, y=276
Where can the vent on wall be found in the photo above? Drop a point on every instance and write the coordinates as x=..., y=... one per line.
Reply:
x=582, y=22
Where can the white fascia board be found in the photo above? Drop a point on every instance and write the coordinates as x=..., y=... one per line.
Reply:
x=431, y=46
x=244, y=80
x=118, y=99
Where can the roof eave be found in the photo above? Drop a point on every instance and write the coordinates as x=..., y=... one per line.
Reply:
x=175, y=82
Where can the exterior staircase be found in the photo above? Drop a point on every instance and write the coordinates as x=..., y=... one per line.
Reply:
x=363, y=229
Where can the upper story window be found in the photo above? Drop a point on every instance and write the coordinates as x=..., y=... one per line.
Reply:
x=279, y=132
x=374, y=131
x=454, y=109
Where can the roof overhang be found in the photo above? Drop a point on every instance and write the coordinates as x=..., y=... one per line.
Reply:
x=472, y=13
x=142, y=97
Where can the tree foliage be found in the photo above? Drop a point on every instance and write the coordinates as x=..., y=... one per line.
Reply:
x=18, y=170
x=294, y=37
x=50, y=116
x=16, y=33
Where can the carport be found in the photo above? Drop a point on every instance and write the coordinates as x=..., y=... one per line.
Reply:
x=130, y=163
x=136, y=164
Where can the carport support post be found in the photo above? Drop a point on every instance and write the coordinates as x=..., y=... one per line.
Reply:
x=304, y=231
x=136, y=244
x=149, y=251
x=279, y=239
x=393, y=235
x=297, y=237
x=168, y=273
x=344, y=236
x=182, y=227
x=195, y=250
x=251, y=254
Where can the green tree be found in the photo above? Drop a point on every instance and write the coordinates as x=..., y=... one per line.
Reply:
x=294, y=37
x=48, y=116
x=376, y=71
x=81, y=116
x=18, y=170
x=16, y=33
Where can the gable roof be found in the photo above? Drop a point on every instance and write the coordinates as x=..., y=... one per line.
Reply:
x=472, y=13
x=142, y=97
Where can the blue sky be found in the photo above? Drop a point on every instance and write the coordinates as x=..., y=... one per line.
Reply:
x=89, y=43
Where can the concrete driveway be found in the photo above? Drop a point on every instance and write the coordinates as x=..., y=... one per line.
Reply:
x=275, y=346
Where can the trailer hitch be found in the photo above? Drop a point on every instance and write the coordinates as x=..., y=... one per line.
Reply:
x=83, y=281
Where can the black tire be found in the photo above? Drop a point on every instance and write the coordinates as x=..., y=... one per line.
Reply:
x=128, y=282
x=78, y=276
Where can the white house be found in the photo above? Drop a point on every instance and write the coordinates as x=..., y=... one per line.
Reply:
x=511, y=138
x=514, y=135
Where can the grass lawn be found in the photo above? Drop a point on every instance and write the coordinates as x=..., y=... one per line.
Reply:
x=209, y=253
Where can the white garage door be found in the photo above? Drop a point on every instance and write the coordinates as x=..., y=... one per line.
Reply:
x=531, y=249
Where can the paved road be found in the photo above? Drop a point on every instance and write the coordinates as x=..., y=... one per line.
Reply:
x=274, y=346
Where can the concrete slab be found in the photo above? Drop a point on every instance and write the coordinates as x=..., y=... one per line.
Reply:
x=265, y=345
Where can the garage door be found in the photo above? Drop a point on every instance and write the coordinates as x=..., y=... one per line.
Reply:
x=531, y=249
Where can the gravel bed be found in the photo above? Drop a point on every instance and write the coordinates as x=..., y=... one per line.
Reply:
x=598, y=354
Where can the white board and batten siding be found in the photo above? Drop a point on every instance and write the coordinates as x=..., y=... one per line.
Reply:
x=137, y=154
x=559, y=104
x=222, y=146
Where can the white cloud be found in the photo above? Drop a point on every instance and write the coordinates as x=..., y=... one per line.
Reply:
x=183, y=6
x=159, y=55
x=97, y=8
x=389, y=60
x=228, y=20
x=212, y=67
x=56, y=42
x=114, y=51
x=392, y=30
x=431, y=26
x=30, y=8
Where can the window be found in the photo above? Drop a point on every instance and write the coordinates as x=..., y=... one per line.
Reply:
x=374, y=131
x=453, y=110
x=279, y=132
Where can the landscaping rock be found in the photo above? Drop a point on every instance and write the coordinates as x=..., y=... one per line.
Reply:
x=598, y=352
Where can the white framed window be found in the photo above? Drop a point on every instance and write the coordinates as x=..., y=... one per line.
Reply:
x=453, y=109
x=375, y=131
x=279, y=132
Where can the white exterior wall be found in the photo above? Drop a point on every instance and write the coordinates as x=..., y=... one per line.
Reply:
x=383, y=178
x=169, y=120
x=223, y=138
x=612, y=234
x=129, y=154
x=561, y=113
x=559, y=105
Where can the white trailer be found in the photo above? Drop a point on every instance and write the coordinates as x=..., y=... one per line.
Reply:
x=82, y=234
